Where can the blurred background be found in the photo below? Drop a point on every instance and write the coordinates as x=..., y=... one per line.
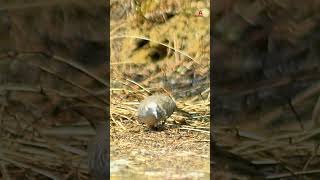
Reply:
x=53, y=84
x=266, y=74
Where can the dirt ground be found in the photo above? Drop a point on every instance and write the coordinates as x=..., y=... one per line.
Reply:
x=53, y=88
x=170, y=154
x=163, y=50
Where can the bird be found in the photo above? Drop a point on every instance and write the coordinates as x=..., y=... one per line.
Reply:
x=98, y=154
x=155, y=110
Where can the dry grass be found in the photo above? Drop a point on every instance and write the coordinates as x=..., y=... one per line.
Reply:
x=175, y=152
x=41, y=143
x=49, y=103
x=157, y=55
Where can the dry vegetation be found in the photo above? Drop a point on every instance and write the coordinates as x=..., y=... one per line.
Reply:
x=267, y=86
x=52, y=86
x=266, y=74
x=160, y=50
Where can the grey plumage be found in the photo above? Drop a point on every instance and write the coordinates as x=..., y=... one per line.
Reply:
x=154, y=110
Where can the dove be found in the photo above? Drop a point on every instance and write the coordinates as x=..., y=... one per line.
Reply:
x=155, y=110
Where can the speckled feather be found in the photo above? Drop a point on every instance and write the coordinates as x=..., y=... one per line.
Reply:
x=154, y=110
